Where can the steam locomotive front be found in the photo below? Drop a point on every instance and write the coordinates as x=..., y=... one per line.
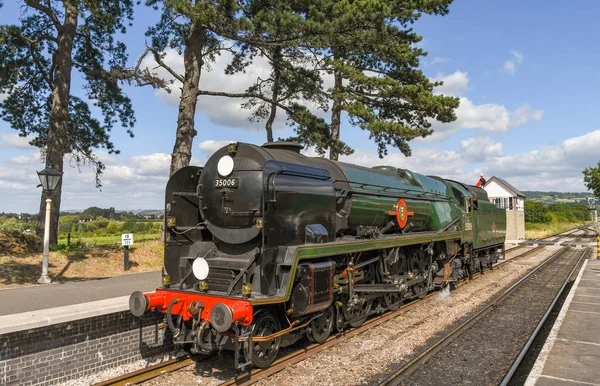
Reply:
x=230, y=192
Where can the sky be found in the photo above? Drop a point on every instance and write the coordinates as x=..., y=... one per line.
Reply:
x=526, y=73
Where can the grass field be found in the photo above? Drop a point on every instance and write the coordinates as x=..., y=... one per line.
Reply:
x=82, y=261
x=535, y=231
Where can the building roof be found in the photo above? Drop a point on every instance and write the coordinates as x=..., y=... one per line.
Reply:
x=506, y=185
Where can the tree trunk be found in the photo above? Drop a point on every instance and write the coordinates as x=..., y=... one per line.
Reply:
x=57, y=145
x=192, y=57
x=274, y=93
x=336, y=113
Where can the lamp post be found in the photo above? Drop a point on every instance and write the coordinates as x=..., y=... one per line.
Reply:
x=49, y=177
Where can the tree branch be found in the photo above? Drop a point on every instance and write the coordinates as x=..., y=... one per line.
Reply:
x=46, y=10
x=40, y=68
x=40, y=38
x=158, y=60
x=245, y=95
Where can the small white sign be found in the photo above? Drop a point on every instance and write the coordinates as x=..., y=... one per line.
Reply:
x=127, y=239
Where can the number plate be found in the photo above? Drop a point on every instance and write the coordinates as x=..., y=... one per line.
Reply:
x=226, y=183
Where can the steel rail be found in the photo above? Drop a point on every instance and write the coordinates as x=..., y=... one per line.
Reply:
x=523, y=352
x=398, y=376
x=255, y=375
x=148, y=373
x=558, y=234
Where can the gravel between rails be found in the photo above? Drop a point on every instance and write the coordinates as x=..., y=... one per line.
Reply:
x=361, y=359
x=483, y=353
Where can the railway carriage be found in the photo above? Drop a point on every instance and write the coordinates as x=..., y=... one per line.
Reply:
x=264, y=246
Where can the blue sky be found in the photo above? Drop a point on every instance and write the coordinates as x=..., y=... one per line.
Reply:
x=526, y=72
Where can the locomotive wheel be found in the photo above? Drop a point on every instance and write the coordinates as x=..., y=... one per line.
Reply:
x=321, y=327
x=392, y=300
x=357, y=315
x=422, y=288
x=264, y=353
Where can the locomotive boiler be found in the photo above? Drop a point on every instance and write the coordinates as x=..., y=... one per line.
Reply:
x=264, y=246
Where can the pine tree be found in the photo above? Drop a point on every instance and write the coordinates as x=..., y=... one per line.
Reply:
x=376, y=79
x=195, y=29
x=38, y=58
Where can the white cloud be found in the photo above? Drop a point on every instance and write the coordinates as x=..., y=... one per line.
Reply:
x=480, y=149
x=556, y=168
x=138, y=182
x=438, y=59
x=524, y=114
x=488, y=117
x=127, y=183
x=454, y=84
x=15, y=141
x=157, y=164
x=510, y=66
x=219, y=110
x=424, y=161
x=551, y=167
x=209, y=147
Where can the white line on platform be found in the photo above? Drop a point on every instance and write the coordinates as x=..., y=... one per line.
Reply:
x=538, y=366
x=578, y=341
x=586, y=312
x=575, y=301
x=589, y=296
x=570, y=380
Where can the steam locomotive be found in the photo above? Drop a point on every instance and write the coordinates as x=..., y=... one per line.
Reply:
x=265, y=246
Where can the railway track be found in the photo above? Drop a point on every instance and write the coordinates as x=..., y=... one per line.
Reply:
x=255, y=375
x=557, y=236
x=487, y=348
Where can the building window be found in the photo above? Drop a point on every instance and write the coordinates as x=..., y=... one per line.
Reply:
x=510, y=203
x=499, y=202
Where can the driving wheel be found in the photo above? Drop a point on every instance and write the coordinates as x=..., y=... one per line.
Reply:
x=262, y=354
x=358, y=314
x=321, y=327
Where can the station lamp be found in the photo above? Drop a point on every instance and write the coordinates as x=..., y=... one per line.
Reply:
x=49, y=178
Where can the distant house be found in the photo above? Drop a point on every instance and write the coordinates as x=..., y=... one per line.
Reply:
x=506, y=196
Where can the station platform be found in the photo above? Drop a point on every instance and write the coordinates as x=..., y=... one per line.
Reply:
x=571, y=354
x=43, y=305
x=39, y=297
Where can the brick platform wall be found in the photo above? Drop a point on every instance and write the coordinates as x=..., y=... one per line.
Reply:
x=66, y=351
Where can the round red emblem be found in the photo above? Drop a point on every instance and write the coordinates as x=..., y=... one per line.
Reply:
x=401, y=212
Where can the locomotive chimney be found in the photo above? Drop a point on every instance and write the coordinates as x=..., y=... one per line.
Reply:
x=284, y=145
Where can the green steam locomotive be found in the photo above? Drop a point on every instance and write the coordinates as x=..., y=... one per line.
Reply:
x=265, y=246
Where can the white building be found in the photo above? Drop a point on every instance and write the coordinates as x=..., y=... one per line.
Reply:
x=506, y=196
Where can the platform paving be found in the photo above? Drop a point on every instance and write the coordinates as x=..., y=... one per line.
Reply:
x=40, y=297
x=571, y=355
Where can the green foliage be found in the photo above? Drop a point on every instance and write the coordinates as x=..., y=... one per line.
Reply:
x=569, y=213
x=95, y=212
x=536, y=212
x=591, y=179
x=33, y=65
x=13, y=226
x=377, y=81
